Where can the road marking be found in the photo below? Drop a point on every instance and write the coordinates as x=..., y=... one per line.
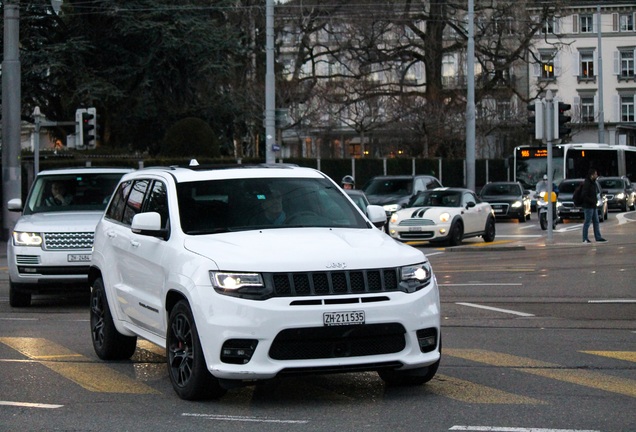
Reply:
x=619, y=355
x=95, y=377
x=513, y=429
x=613, y=301
x=612, y=384
x=30, y=405
x=481, y=284
x=242, y=418
x=470, y=392
x=523, y=314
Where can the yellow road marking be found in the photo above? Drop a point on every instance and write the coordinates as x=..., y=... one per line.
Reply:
x=469, y=392
x=584, y=378
x=96, y=377
x=149, y=346
x=619, y=355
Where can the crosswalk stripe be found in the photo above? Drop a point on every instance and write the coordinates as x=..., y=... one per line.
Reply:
x=470, y=392
x=629, y=356
x=584, y=378
x=96, y=377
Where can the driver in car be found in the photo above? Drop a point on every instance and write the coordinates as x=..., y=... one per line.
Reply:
x=272, y=209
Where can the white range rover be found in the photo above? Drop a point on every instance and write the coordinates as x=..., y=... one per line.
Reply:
x=50, y=246
x=246, y=273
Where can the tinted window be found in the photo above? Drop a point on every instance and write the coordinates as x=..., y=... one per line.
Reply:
x=389, y=187
x=135, y=199
x=157, y=201
x=116, y=208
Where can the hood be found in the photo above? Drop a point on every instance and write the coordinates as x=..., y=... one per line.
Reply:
x=424, y=212
x=59, y=222
x=496, y=198
x=388, y=199
x=303, y=249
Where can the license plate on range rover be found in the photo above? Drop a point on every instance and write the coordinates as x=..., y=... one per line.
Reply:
x=79, y=257
x=343, y=318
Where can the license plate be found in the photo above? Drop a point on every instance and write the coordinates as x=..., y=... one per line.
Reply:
x=343, y=318
x=498, y=210
x=79, y=257
x=415, y=229
x=574, y=210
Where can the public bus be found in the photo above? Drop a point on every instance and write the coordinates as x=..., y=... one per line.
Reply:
x=571, y=161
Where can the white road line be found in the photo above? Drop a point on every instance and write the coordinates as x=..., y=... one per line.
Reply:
x=30, y=405
x=613, y=301
x=19, y=319
x=523, y=314
x=513, y=429
x=519, y=236
x=482, y=284
x=242, y=418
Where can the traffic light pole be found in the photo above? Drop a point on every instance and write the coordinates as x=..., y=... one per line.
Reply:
x=549, y=134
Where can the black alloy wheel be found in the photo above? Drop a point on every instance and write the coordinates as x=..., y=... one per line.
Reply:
x=187, y=368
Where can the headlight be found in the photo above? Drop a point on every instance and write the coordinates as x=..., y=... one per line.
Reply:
x=620, y=196
x=415, y=277
x=21, y=238
x=391, y=208
x=244, y=285
x=444, y=217
x=516, y=204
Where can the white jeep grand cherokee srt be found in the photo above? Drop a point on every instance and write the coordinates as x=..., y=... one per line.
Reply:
x=246, y=273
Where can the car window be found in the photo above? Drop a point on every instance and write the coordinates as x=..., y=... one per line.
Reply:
x=157, y=201
x=467, y=198
x=135, y=199
x=389, y=187
x=71, y=192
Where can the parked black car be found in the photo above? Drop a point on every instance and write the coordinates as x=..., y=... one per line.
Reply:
x=565, y=206
x=619, y=191
x=508, y=200
x=393, y=192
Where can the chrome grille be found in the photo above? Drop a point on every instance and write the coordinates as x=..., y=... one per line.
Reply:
x=65, y=241
x=333, y=283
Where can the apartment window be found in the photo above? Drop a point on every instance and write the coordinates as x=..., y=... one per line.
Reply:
x=587, y=65
x=586, y=23
x=626, y=22
x=627, y=64
x=547, y=66
x=587, y=109
x=503, y=110
x=627, y=108
x=549, y=26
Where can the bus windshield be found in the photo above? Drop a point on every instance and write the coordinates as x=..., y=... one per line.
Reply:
x=531, y=164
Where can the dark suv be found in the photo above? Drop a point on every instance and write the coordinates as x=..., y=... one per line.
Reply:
x=565, y=206
x=507, y=199
x=393, y=192
x=619, y=192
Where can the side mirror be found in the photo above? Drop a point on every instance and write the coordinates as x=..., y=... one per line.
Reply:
x=149, y=224
x=15, y=205
x=376, y=215
x=471, y=204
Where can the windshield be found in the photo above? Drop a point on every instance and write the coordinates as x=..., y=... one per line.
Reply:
x=436, y=199
x=215, y=206
x=74, y=192
x=389, y=187
x=531, y=171
x=501, y=189
x=611, y=183
x=568, y=186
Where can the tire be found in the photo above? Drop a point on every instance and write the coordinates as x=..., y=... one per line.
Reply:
x=456, y=234
x=187, y=368
x=18, y=298
x=108, y=343
x=490, y=231
x=543, y=221
x=522, y=218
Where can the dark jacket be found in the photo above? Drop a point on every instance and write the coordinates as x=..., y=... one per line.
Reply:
x=588, y=193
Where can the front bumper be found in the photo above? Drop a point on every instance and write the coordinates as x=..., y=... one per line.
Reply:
x=34, y=266
x=290, y=336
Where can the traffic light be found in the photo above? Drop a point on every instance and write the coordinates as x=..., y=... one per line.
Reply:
x=89, y=128
x=536, y=120
x=561, y=120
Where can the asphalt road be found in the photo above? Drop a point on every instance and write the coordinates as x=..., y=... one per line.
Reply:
x=539, y=335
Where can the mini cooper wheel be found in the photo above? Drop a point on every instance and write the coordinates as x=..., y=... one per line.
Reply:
x=490, y=231
x=108, y=343
x=18, y=298
x=456, y=234
x=188, y=372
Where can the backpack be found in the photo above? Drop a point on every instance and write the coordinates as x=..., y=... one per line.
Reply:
x=577, y=197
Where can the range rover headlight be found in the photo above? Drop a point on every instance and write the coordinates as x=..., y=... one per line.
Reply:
x=244, y=285
x=415, y=277
x=22, y=238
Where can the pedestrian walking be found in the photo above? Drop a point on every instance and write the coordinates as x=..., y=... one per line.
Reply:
x=590, y=195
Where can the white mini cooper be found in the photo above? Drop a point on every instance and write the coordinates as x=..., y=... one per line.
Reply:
x=246, y=273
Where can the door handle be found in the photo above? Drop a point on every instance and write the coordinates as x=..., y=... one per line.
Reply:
x=134, y=243
x=111, y=234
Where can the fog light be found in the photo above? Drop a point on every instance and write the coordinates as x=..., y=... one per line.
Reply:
x=238, y=351
x=442, y=230
x=427, y=339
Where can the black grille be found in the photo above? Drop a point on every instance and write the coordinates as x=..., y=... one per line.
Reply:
x=338, y=341
x=333, y=283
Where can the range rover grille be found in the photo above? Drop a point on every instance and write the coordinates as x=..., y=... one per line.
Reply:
x=71, y=240
x=333, y=282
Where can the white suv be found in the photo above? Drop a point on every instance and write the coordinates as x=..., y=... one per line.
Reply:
x=50, y=248
x=249, y=272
